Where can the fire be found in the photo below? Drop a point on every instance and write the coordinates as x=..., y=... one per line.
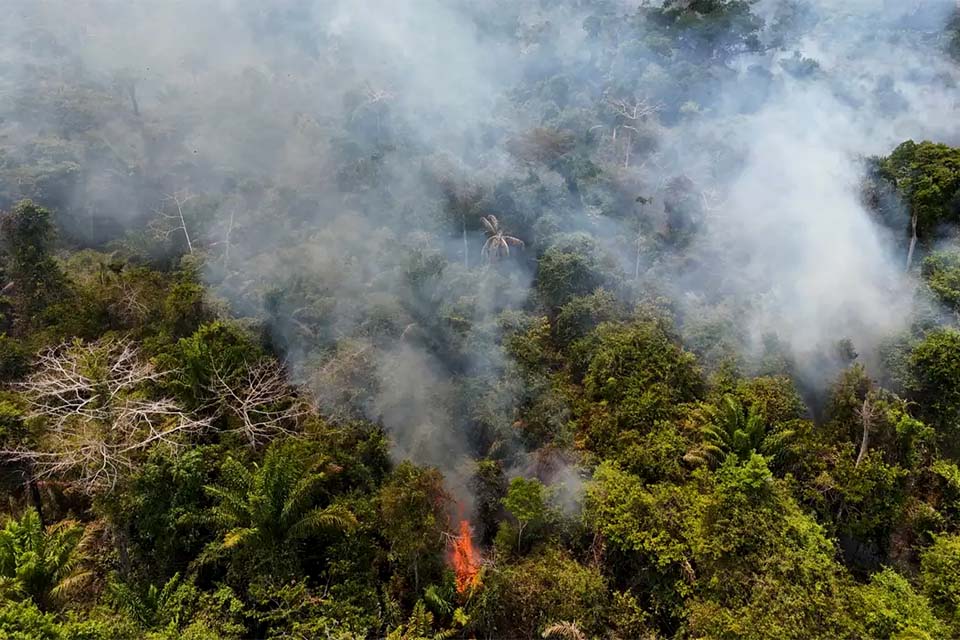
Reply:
x=466, y=561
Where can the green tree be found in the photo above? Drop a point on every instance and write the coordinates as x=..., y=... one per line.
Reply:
x=413, y=506
x=44, y=564
x=735, y=429
x=155, y=607
x=636, y=376
x=892, y=609
x=521, y=600
x=940, y=578
x=574, y=266
x=526, y=500
x=941, y=271
x=927, y=176
x=36, y=278
x=265, y=512
x=934, y=370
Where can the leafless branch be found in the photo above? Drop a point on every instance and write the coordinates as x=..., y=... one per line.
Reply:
x=262, y=401
x=93, y=401
x=168, y=221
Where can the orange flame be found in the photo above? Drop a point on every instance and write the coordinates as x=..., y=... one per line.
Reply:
x=466, y=561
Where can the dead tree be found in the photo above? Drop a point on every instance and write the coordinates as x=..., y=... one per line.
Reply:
x=169, y=222
x=97, y=416
x=261, y=400
x=630, y=114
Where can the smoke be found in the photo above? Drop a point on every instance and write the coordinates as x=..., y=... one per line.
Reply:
x=345, y=151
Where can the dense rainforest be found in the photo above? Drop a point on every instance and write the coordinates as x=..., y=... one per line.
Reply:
x=504, y=319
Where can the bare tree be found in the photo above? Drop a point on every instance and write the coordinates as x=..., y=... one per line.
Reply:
x=170, y=217
x=630, y=114
x=261, y=400
x=98, y=417
x=498, y=242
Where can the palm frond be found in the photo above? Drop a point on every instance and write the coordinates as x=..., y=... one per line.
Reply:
x=332, y=517
x=565, y=630
x=238, y=536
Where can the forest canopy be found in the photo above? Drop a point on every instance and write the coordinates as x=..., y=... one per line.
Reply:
x=514, y=319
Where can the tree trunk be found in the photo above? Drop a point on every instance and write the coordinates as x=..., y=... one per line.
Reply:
x=866, y=417
x=913, y=242
x=132, y=92
x=466, y=247
x=33, y=491
x=636, y=267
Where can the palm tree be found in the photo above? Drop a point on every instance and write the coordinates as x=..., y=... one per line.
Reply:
x=270, y=508
x=41, y=563
x=153, y=607
x=733, y=429
x=498, y=242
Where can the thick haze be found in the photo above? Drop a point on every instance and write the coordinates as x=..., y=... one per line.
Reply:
x=365, y=119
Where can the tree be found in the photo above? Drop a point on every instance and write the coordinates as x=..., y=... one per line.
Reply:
x=37, y=280
x=93, y=401
x=171, y=217
x=735, y=429
x=892, y=609
x=41, y=563
x=927, y=175
x=498, y=241
x=154, y=607
x=260, y=400
x=941, y=271
x=934, y=370
x=940, y=577
x=522, y=600
x=526, y=500
x=574, y=265
x=267, y=511
x=639, y=372
x=413, y=505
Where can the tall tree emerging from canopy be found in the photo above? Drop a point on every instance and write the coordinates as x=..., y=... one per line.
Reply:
x=498, y=242
x=927, y=176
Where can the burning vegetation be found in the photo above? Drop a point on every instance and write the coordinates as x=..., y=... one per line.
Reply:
x=466, y=560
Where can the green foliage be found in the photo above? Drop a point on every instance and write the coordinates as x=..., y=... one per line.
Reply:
x=41, y=563
x=14, y=359
x=940, y=578
x=892, y=609
x=413, y=506
x=636, y=377
x=37, y=279
x=574, y=267
x=935, y=381
x=162, y=510
x=526, y=500
x=523, y=599
x=215, y=350
x=927, y=175
x=582, y=314
x=733, y=429
x=941, y=270
x=719, y=507
x=265, y=512
x=169, y=606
